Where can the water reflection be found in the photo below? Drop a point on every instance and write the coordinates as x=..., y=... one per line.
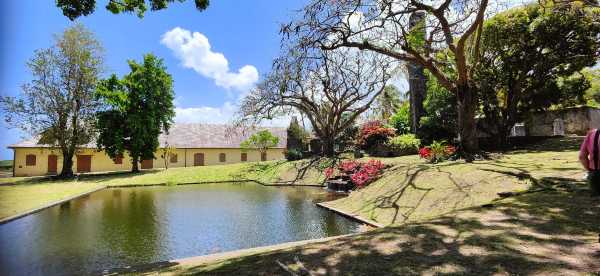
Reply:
x=119, y=227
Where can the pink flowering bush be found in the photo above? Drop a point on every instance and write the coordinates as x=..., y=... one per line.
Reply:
x=360, y=173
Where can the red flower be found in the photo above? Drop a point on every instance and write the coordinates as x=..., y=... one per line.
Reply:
x=425, y=152
x=450, y=150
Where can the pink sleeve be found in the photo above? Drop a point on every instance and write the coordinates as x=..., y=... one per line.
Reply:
x=583, y=150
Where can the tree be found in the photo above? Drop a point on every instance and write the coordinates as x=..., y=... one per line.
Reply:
x=76, y=8
x=529, y=55
x=331, y=88
x=593, y=93
x=387, y=103
x=140, y=107
x=381, y=26
x=167, y=152
x=261, y=141
x=296, y=140
x=58, y=105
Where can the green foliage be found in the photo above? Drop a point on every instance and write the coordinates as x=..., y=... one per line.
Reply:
x=260, y=141
x=529, y=55
x=296, y=141
x=404, y=144
x=58, y=104
x=76, y=8
x=592, y=94
x=140, y=107
x=401, y=119
x=440, y=120
x=293, y=154
x=387, y=103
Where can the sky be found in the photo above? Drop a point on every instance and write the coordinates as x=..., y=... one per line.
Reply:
x=214, y=56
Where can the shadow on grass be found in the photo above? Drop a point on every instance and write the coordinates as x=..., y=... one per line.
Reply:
x=550, y=232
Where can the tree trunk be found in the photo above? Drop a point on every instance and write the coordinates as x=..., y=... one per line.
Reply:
x=328, y=146
x=134, y=164
x=416, y=79
x=67, y=167
x=467, y=126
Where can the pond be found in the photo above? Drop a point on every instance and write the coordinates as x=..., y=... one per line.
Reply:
x=128, y=226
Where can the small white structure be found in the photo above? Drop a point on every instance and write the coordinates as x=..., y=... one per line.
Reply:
x=518, y=130
x=558, y=127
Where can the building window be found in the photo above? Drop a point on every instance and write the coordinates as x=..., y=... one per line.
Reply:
x=221, y=157
x=244, y=157
x=173, y=158
x=263, y=156
x=119, y=159
x=30, y=160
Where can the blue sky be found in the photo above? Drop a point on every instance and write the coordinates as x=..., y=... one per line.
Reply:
x=207, y=84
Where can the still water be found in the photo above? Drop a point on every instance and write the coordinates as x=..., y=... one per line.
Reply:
x=120, y=227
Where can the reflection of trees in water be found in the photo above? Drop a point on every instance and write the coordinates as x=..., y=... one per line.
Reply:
x=130, y=226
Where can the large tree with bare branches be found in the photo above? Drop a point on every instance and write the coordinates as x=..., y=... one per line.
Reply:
x=452, y=28
x=330, y=88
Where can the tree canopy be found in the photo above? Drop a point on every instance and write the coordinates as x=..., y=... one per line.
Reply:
x=76, y=8
x=261, y=141
x=58, y=104
x=530, y=61
x=139, y=108
x=330, y=88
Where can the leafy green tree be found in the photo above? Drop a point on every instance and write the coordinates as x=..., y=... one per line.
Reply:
x=529, y=55
x=140, y=107
x=261, y=141
x=296, y=140
x=440, y=120
x=76, y=8
x=592, y=94
x=58, y=104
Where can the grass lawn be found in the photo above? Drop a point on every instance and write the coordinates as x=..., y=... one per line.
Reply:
x=544, y=233
x=17, y=199
x=412, y=190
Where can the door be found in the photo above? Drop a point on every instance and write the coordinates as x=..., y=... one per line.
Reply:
x=199, y=159
x=84, y=163
x=52, y=160
x=147, y=164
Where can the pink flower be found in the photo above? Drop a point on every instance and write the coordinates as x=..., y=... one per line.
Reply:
x=329, y=172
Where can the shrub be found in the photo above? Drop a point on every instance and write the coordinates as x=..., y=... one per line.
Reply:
x=404, y=144
x=293, y=154
x=401, y=119
x=373, y=137
x=359, y=173
x=437, y=151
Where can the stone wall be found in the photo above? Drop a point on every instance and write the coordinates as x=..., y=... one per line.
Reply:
x=574, y=121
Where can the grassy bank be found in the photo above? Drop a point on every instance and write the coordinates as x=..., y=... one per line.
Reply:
x=411, y=190
x=21, y=194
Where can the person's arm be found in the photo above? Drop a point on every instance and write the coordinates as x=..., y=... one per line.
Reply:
x=584, y=153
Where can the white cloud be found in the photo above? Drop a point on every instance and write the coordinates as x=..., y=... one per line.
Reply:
x=194, y=51
x=218, y=115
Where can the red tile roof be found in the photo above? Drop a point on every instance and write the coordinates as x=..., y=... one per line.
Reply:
x=193, y=136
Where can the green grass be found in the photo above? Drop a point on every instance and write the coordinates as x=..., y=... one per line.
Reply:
x=412, y=190
x=17, y=199
x=21, y=194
